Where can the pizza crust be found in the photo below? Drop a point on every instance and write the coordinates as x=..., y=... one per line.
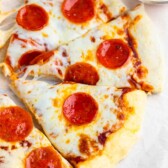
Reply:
x=148, y=47
x=119, y=143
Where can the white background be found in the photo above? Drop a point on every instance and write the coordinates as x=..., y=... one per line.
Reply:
x=152, y=149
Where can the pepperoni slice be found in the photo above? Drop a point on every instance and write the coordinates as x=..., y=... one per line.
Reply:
x=27, y=57
x=78, y=11
x=113, y=53
x=42, y=58
x=80, y=108
x=15, y=124
x=32, y=17
x=82, y=73
x=45, y=157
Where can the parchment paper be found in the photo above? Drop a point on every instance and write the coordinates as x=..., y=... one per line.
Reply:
x=152, y=149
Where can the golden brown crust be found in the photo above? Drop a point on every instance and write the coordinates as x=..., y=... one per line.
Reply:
x=120, y=142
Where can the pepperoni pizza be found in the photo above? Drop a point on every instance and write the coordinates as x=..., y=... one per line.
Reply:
x=93, y=117
x=42, y=25
x=115, y=53
x=22, y=145
x=87, y=124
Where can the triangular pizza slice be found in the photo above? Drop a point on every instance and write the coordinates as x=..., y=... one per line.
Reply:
x=89, y=125
x=42, y=25
x=21, y=144
x=121, y=53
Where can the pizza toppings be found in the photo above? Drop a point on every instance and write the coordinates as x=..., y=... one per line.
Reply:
x=15, y=124
x=42, y=58
x=82, y=73
x=113, y=53
x=27, y=57
x=32, y=17
x=78, y=11
x=103, y=137
x=80, y=108
x=44, y=157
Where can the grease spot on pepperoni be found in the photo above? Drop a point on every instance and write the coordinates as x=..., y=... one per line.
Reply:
x=113, y=53
x=80, y=108
x=45, y=157
x=15, y=124
x=78, y=11
x=27, y=57
x=32, y=17
x=42, y=58
x=82, y=73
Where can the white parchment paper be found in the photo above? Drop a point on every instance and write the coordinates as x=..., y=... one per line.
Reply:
x=152, y=149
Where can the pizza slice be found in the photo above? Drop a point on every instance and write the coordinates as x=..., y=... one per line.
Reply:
x=42, y=25
x=121, y=53
x=21, y=144
x=91, y=126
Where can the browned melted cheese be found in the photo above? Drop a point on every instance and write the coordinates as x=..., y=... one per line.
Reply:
x=136, y=20
x=25, y=143
x=24, y=41
x=86, y=144
x=122, y=10
x=142, y=72
x=64, y=53
x=105, y=10
x=4, y=148
x=103, y=137
x=122, y=115
x=2, y=159
x=13, y=147
x=146, y=87
x=92, y=39
x=75, y=160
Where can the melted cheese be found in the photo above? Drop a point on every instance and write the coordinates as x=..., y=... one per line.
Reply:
x=15, y=153
x=46, y=102
x=83, y=49
x=59, y=30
